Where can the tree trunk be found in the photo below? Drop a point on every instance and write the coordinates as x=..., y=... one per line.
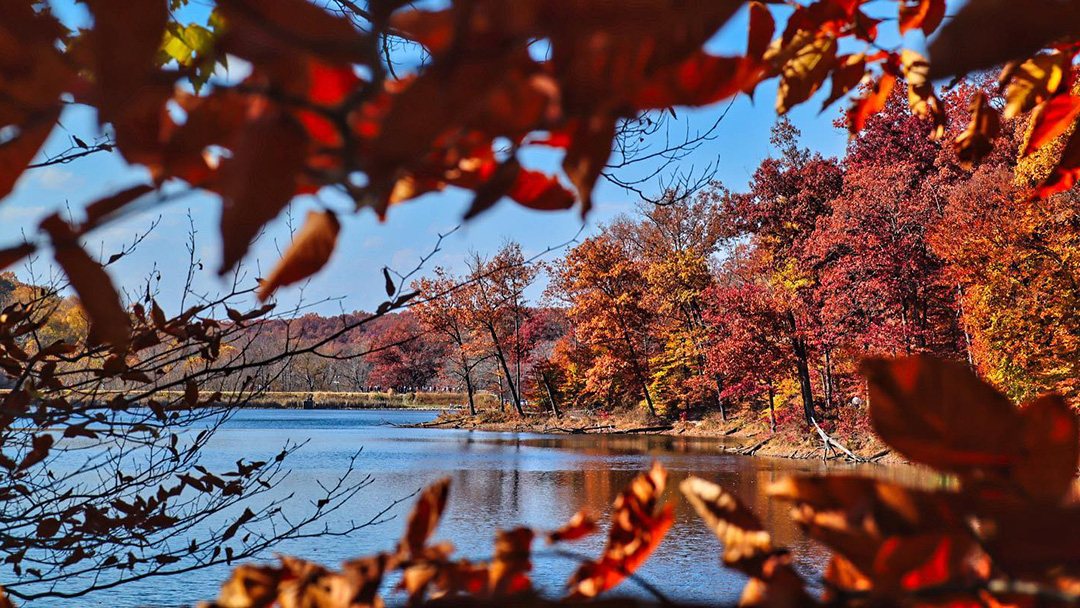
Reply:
x=550, y=393
x=719, y=397
x=802, y=367
x=772, y=408
x=469, y=389
x=506, y=371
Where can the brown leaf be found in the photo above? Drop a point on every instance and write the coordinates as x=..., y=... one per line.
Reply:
x=985, y=33
x=101, y=208
x=1050, y=449
x=309, y=252
x=589, y=150
x=309, y=585
x=579, y=526
x=265, y=31
x=1051, y=120
x=110, y=324
x=804, y=72
x=365, y=576
x=939, y=413
x=17, y=152
x=921, y=14
x=509, y=569
x=637, y=527
x=848, y=73
x=260, y=180
x=39, y=450
x=977, y=140
x=423, y=519
x=125, y=40
x=250, y=587
x=13, y=254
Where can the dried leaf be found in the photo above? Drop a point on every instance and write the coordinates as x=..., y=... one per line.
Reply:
x=637, y=527
x=17, y=152
x=977, y=140
x=745, y=541
x=1034, y=81
x=850, y=70
x=250, y=587
x=589, y=150
x=1065, y=174
x=423, y=519
x=579, y=526
x=308, y=253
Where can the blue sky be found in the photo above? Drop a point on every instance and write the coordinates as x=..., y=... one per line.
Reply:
x=352, y=280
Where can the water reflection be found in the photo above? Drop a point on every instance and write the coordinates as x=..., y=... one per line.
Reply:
x=499, y=480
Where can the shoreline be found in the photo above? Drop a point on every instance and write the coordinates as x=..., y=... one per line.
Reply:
x=736, y=436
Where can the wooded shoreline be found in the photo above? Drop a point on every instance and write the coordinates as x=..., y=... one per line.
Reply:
x=738, y=436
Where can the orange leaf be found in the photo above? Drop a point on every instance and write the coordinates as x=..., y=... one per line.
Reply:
x=425, y=516
x=433, y=29
x=700, y=80
x=1051, y=120
x=746, y=542
x=871, y=103
x=251, y=586
x=259, y=180
x=637, y=527
x=101, y=208
x=579, y=526
x=309, y=251
x=109, y=322
x=923, y=14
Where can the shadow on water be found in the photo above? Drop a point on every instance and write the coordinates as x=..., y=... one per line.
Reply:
x=501, y=480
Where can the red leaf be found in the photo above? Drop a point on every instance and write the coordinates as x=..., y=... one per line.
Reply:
x=259, y=181
x=1051, y=120
x=1050, y=448
x=97, y=210
x=762, y=27
x=260, y=30
x=700, y=80
x=1065, y=174
x=433, y=29
x=309, y=251
x=924, y=14
x=540, y=191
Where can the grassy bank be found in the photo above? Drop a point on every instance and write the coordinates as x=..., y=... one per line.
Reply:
x=741, y=433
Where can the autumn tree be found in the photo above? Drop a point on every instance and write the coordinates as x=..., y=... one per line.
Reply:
x=445, y=308
x=603, y=286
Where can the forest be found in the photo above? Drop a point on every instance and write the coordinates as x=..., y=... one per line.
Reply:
x=917, y=291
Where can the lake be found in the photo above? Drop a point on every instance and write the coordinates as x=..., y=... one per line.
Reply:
x=498, y=480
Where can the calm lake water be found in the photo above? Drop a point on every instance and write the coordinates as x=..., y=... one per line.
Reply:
x=499, y=480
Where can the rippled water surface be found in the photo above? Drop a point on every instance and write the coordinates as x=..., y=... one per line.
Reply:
x=499, y=480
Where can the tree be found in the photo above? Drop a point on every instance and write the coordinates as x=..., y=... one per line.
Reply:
x=605, y=291
x=405, y=356
x=445, y=308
